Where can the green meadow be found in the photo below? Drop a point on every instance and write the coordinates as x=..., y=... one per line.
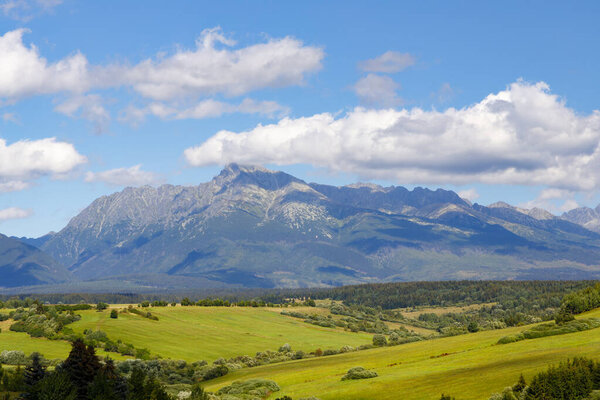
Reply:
x=468, y=367
x=208, y=333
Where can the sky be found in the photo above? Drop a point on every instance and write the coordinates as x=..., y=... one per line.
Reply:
x=495, y=100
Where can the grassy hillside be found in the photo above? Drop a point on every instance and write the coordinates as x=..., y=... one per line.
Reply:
x=467, y=366
x=208, y=333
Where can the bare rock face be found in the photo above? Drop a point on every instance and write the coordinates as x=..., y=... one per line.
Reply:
x=584, y=216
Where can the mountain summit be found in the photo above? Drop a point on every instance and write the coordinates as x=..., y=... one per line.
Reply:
x=250, y=226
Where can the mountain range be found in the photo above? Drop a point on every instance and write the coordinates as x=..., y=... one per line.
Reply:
x=253, y=227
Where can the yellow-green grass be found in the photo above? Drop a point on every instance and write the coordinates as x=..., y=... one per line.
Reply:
x=469, y=366
x=48, y=348
x=414, y=312
x=208, y=333
x=324, y=312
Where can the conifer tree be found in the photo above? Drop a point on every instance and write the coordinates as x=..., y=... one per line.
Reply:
x=82, y=365
x=33, y=374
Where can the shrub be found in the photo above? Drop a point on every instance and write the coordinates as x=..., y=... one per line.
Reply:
x=250, y=389
x=101, y=306
x=286, y=348
x=114, y=314
x=379, y=340
x=215, y=372
x=13, y=357
x=359, y=373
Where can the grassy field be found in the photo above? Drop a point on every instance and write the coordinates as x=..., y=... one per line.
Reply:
x=208, y=333
x=468, y=366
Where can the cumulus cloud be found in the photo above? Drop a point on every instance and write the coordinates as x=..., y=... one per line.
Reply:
x=388, y=62
x=522, y=135
x=33, y=158
x=213, y=67
x=27, y=160
x=24, y=72
x=377, y=89
x=14, y=213
x=469, y=194
x=184, y=83
x=132, y=176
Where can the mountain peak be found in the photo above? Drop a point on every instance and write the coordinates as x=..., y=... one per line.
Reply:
x=236, y=174
x=501, y=204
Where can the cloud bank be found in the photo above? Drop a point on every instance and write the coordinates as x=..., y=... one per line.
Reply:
x=522, y=135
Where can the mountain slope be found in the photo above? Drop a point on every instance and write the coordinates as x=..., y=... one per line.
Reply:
x=253, y=227
x=584, y=216
x=24, y=265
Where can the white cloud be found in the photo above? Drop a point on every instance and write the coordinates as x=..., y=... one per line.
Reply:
x=89, y=107
x=204, y=109
x=388, y=62
x=132, y=176
x=13, y=186
x=215, y=68
x=377, y=89
x=27, y=160
x=469, y=194
x=14, y=213
x=522, y=135
x=25, y=10
x=23, y=72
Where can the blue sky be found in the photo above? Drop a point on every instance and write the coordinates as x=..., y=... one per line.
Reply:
x=495, y=100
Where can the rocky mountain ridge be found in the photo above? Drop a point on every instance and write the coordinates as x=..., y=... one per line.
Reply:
x=250, y=226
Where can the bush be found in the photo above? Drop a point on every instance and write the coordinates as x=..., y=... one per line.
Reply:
x=13, y=357
x=101, y=306
x=250, y=389
x=379, y=340
x=359, y=373
x=215, y=372
x=114, y=314
x=286, y=348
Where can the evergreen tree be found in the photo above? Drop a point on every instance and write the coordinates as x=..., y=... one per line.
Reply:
x=137, y=384
x=82, y=365
x=520, y=385
x=56, y=386
x=33, y=374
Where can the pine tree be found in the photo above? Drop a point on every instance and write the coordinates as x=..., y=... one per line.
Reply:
x=56, y=386
x=33, y=374
x=520, y=385
x=82, y=365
